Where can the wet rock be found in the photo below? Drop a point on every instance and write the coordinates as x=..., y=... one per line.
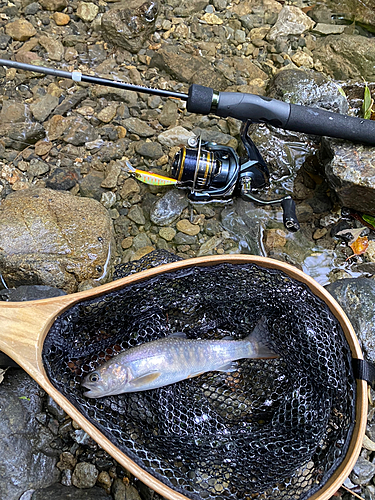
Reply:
x=184, y=239
x=362, y=472
x=175, y=136
x=60, y=492
x=346, y=56
x=351, y=173
x=188, y=68
x=43, y=107
x=20, y=135
x=168, y=208
x=329, y=29
x=53, y=238
x=139, y=127
x=309, y=88
x=356, y=296
x=245, y=224
x=291, y=21
x=128, y=26
x=87, y=11
x=79, y=131
x=362, y=13
x=85, y=475
x=20, y=30
x=274, y=238
x=27, y=461
x=30, y=292
x=53, y=47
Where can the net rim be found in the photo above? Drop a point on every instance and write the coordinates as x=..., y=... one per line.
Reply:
x=337, y=478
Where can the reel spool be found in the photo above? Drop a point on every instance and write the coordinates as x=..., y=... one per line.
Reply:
x=214, y=172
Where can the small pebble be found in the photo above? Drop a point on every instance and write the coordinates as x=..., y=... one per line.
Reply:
x=61, y=19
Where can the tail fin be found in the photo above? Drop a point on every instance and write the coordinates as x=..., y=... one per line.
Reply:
x=260, y=341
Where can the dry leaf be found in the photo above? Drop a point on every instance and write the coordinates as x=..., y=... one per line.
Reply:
x=2, y=373
x=359, y=246
x=355, y=233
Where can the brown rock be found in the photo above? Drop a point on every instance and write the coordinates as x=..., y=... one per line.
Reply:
x=20, y=30
x=61, y=19
x=53, y=238
x=274, y=238
x=129, y=188
x=187, y=227
x=54, y=4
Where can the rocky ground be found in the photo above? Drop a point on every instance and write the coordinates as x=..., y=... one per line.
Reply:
x=63, y=147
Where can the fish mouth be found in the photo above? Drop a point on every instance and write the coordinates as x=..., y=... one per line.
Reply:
x=91, y=394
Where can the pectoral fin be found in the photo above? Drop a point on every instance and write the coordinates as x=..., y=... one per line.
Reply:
x=142, y=382
x=232, y=366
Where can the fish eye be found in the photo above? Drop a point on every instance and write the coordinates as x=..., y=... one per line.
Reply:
x=94, y=377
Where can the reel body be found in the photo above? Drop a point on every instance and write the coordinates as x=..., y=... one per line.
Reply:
x=215, y=172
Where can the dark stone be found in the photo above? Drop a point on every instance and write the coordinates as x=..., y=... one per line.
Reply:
x=30, y=292
x=362, y=13
x=350, y=172
x=20, y=135
x=309, y=88
x=27, y=460
x=90, y=187
x=346, y=56
x=188, y=68
x=60, y=492
x=149, y=149
x=4, y=41
x=129, y=25
x=80, y=131
x=357, y=297
x=70, y=102
x=62, y=179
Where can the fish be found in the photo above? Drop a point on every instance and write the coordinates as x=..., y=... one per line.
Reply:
x=172, y=359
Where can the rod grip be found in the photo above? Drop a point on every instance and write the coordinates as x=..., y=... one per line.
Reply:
x=318, y=121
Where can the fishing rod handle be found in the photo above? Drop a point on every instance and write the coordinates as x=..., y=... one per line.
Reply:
x=260, y=109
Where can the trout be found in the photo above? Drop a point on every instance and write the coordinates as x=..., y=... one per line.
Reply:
x=172, y=359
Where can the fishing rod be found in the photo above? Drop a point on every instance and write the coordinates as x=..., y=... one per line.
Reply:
x=258, y=109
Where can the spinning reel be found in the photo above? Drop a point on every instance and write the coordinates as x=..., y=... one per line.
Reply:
x=214, y=172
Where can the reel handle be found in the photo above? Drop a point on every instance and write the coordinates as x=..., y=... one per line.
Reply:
x=259, y=109
x=289, y=214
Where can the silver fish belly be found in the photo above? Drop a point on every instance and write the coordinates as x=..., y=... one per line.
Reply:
x=170, y=360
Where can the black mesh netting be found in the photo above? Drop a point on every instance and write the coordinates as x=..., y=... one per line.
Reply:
x=275, y=429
